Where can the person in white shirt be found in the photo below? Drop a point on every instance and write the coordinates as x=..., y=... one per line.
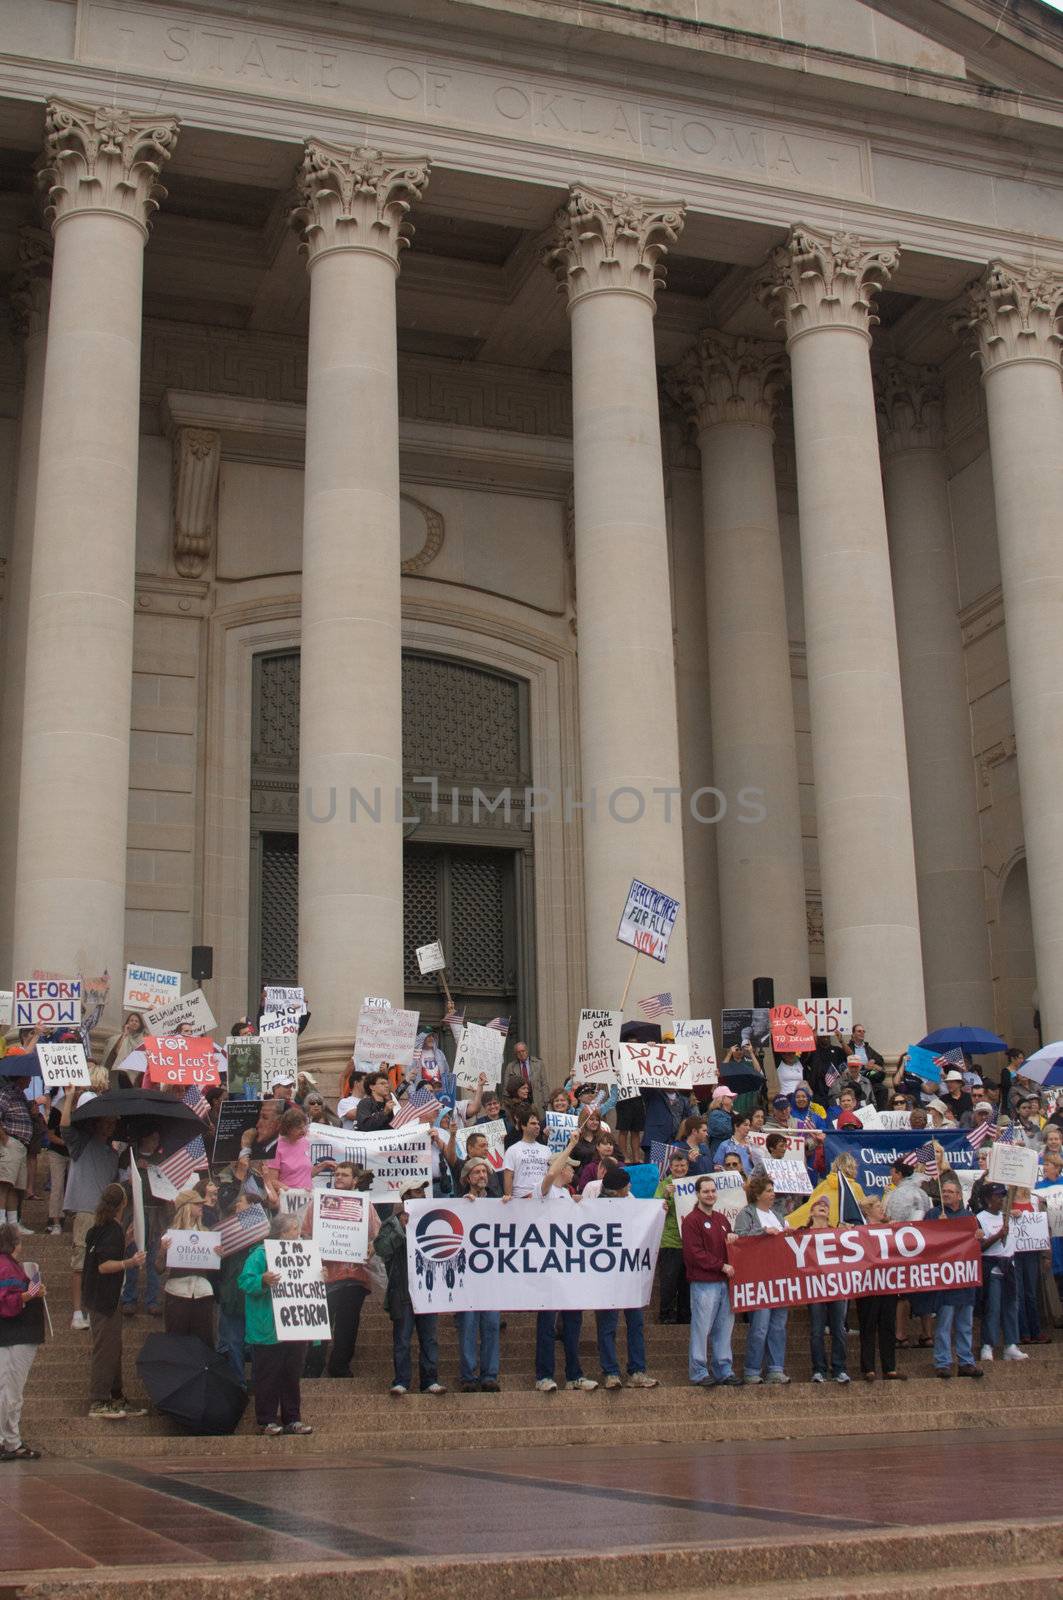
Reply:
x=1001, y=1311
x=555, y=1188
x=525, y=1164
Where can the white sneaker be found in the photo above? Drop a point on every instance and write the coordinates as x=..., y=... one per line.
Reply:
x=642, y=1380
x=398, y=1389
x=25, y=1232
x=55, y=1227
x=613, y=1381
x=777, y=1377
x=843, y=1377
x=1013, y=1353
x=986, y=1353
x=817, y=1377
x=80, y=1321
x=584, y=1384
x=546, y=1386
x=435, y=1388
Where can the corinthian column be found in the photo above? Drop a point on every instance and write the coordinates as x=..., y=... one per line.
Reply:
x=821, y=288
x=1014, y=317
x=948, y=860
x=352, y=215
x=606, y=252
x=731, y=386
x=100, y=175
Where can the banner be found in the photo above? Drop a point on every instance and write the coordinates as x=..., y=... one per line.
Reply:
x=790, y=1030
x=63, y=1064
x=493, y=1132
x=300, y=1310
x=341, y=1225
x=730, y=1194
x=648, y=919
x=385, y=1034
x=597, y=1037
x=532, y=1255
x=695, y=1036
x=47, y=1003
x=757, y=1142
x=392, y=1158
x=810, y=1266
x=1013, y=1164
x=479, y=1050
x=234, y=1119
x=789, y=1177
x=655, y=1066
x=560, y=1126
x=876, y=1152
x=191, y=1010
x=181, y=1060
x=430, y=958
x=828, y=1016
x=1029, y=1231
x=188, y=1248
x=150, y=987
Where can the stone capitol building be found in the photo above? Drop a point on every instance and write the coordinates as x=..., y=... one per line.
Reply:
x=457, y=456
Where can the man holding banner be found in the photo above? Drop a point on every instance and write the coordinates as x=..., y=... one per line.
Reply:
x=704, y=1235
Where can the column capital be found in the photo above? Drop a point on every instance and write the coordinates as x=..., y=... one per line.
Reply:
x=1012, y=314
x=31, y=284
x=825, y=280
x=730, y=378
x=103, y=158
x=612, y=242
x=356, y=200
x=909, y=401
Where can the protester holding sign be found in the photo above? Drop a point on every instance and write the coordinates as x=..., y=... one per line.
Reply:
x=767, y=1326
x=1027, y=1273
x=616, y=1185
x=826, y=1315
x=672, y=1279
x=347, y=1282
x=276, y=1364
x=1000, y=1310
x=375, y=1109
x=705, y=1237
x=479, y=1332
x=104, y=1249
x=955, y=1307
x=877, y=1316
x=93, y=1165
x=188, y=1296
x=556, y=1188
x=291, y=1158
x=122, y=1045
x=391, y=1248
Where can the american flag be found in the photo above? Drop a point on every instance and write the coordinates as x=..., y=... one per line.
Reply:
x=243, y=1228
x=831, y=1076
x=656, y=1005
x=420, y=1105
x=950, y=1058
x=448, y=1088
x=661, y=1154
x=804, y=1123
x=926, y=1157
x=191, y=1157
x=980, y=1132
x=1009, y=1134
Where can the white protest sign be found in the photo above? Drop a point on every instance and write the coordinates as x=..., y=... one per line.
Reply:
x=7, y=1001
x=148, y=987
x=890, y=1120
x=280, y=1061
x=560, y=1127
x=191, y=1010
x=757, y=1141
x=162, y=1187
x=386, y=1034
x=648, y=919
x=62, y=1064
x=375, y=1003
x=1029, y=1231
x=430, y=958
x=300, y=1310
x=140, y=1232
x=294, y=1202
x=1052, y=1200
x=1012, y=1164
x=393, y=1157
x=598, y=1036
x=341, y=1225
x=190, y=1248
x=828, y=1016
x=730, y=1194
x=479, y=1050
x=624, y=1077
x=655, y=1066
x=789, y=1177
x=696, y=1036
x=47, y=1002
x=493, y=1132
x=284, y=1002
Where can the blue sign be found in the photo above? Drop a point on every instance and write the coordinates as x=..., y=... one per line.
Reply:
x=876, y=1151
x=923, y=1064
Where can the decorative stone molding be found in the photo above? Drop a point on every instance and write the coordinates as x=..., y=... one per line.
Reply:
x=611, y=242
x=910, y=403
x=355, y=200
x=196, y=464
x=434, y=534
x=1013, y=314
x=814, y=925
x=820, y=280
x=31, y=285
x=727, y=378
x=103, y=158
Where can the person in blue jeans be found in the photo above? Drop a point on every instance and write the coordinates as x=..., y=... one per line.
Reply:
x=955, y=1307
x=705, y=1236
x=1000, y=1310
x=767, y=1327
x=478, y=1331
x=390, y=1247
x=828, y=1316
x=616, y=1185
x=556, y=1189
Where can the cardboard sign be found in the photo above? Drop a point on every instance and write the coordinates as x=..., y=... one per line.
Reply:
x=376, y=1004
x=7, y=1001
x=150, y=988
x=430, y=958
x=178, y=1059
x=494, y=1133
x=730, y=1194
x=190, y=1011
x=560, y=1126
x=234, y=1119
x=923, y=1064
x=1012, y=1164
x=598, y=1036
x=757, y=1141
x=280, y=1061
x=162, y=1187
x=479, y=1050
x=95, y=991
x=790, y=1030
x=243, y=1060
x=285, y=1002
x=696, y=1037
x=295, y=1202
x=891, y=1120
x=827, y=1016
x=63, y=1064
x=300, y=1310
x=190, y=1248
x=1029, y=1231
x=648, y=919
x=789, y=1177
x=341, y=1225
x=386, y=1034
x=140, y=1228
x=655, y=1066
x=47, y=1003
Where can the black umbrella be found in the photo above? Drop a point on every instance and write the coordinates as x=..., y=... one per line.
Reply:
x=139, y=1111
x=25, y=1065
x=191, y=1383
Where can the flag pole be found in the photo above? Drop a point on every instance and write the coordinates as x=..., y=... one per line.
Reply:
x=627, y=986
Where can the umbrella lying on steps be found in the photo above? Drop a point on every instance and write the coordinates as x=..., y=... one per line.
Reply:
x=191, y=1383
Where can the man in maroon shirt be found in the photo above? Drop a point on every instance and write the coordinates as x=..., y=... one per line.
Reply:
x=704, y=1236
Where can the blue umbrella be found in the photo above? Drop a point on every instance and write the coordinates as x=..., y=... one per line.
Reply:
x=1045, y=1066
x=20, y=1066
x=975, y=1041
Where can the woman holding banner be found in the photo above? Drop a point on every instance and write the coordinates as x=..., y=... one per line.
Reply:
x=955, y=1307
x=767, y=1327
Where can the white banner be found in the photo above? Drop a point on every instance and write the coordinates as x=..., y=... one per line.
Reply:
x=532, y=1255
x=300, y=1310
x=341, y=1225
x=1012, y=1164
x=696, y=1037
x=479, y=1050
x=192, y=1008
x=191, y=1248
x=655, y=1066
x=393, y=1158
x=385, y=1034
x=148, y=987
x=495, y=1134
x=1029, y=1231
x=63, y=1064
x=757, y=1142
x=789, y=1177
x=597, y=1038
x=430, y=958
x=828, y=1016
x=648, y=919
x=560, y=1126
x=730, y=1194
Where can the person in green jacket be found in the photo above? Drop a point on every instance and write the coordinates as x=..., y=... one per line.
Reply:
x=675, y=1291
x=276, y=1366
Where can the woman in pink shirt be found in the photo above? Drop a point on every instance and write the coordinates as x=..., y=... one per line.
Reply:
x=291, y=1159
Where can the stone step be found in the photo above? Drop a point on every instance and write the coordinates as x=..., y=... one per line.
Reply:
x=1034, y=1581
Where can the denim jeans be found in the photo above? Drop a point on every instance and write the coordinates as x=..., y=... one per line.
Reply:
x=950, y=1319
x=822, y=1317
x=478, y=1328
x=1001, y=1303
x=766, y=1329
x=711, y=1325
x=427, y=1349
x=571, y=1323
x=1027, y=1283
x=152, y=1286
x=231, y=1342
x=607, y=1323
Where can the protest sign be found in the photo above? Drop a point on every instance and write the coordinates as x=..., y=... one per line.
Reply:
x=828, y=1016
x=294, y=1202
x=376, y=1003
x=790, y=1030
x=876, y=1151
x=234, y=1119
x=890, y=1120
x=524, y=1256
x=647, y=921
x=730, y=1194
x=285, y=1001
x=341, y=1225
x=274, y=1025
x=147, y=988
x=7, y=1001
x=47, y=1003
x=190, y=1248
x=430, y=958
x=1052, y=1200
x=385, y=1034
x=923, y=1064
x=95, y=991
x=179, y=1059
x=393, y=1158
x=695, y=1036
x=597, y=1036
x=190, y=1011
x=493, y=1132
x=479, y=1050
x=745, y=1025
x=162, y=1187
x=757, y=1141
x=789, y=1177
x=810, y=1266
x=560, y=1127
x=300, y=1310
x=655, y=1066
x=140, y=1231
x=63, y=1064
x=1012, y=1164
x=279, y=1055
x=1029, y=1231
x=243, y=1058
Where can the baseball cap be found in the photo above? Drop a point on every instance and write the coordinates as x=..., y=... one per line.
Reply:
x=722, y=1089
x=982, y=1105
x=779, y=1102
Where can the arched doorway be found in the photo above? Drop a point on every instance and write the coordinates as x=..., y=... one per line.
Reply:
x=1016, y=967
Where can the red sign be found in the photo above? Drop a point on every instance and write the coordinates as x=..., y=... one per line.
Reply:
x=809, y=1266
x=180, y=1060
x=790, y=1030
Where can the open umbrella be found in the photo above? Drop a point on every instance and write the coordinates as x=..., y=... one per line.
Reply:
x=975, y=1041
x=1045, y=1066
x=141, y=1110
x=191, y=1383
x=20, y=1064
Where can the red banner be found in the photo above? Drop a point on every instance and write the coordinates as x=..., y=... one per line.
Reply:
x=809, y=1266
x=790, y=1030
x=181, y=1060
